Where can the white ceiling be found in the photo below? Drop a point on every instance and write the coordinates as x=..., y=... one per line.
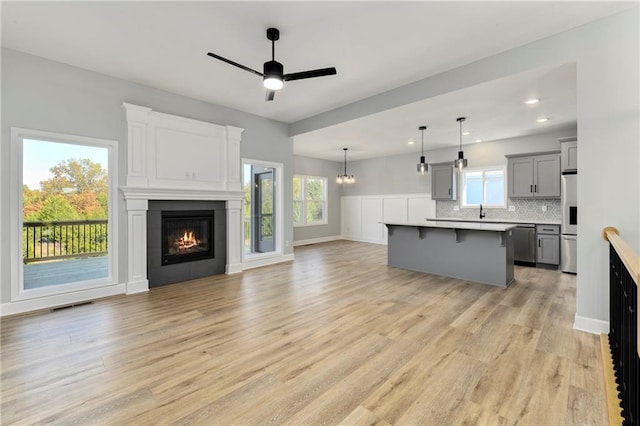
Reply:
x=375, y=46
x=493, y=110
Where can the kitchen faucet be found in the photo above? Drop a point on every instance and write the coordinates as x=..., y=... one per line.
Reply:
x=482, y=214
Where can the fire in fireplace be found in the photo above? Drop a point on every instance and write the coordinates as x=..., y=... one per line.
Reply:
x=187, y=236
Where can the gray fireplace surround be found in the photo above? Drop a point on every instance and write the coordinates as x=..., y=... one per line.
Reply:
x=159, y=274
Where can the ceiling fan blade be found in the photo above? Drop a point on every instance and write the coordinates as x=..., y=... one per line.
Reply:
x=270, y=95
x=310, y=74
x=235, y=64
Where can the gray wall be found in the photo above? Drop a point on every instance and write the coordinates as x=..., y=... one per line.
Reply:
x=397, y=174
x=46, y=95
x=608, y=89
x=329, y=169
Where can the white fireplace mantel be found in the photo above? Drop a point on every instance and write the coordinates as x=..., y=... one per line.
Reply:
x=176, y=158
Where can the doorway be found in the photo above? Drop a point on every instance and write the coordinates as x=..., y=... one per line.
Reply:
x=261, y=209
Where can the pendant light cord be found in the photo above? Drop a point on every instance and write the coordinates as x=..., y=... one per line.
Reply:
x=345, y=161
x=422, y=130
x=461, y=135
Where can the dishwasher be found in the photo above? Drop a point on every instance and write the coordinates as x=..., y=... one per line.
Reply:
x=524, y=245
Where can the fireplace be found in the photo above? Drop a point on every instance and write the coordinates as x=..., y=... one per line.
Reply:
x=186, y=236
x=185, y=240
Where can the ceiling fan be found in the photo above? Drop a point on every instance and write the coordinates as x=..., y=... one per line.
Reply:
x=273, y=75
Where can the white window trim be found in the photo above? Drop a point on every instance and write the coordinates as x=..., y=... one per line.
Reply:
x=279, y=234
x=18, y=293
x=483, y=169
x=325, y=221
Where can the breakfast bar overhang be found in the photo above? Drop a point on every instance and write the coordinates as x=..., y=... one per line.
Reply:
x=479, y=252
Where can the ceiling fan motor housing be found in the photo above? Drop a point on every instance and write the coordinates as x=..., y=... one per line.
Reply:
x=273, y=69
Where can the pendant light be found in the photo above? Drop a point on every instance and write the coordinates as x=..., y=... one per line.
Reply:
x=422, y=166
x=345, y=178
x=461, y=162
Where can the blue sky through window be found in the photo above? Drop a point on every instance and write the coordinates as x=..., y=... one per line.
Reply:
x=39, y=156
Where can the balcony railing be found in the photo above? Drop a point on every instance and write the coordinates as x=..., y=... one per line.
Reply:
x=621, y=354
x=63, y=239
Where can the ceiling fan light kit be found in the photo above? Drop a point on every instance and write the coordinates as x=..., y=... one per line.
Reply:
x=273, y=76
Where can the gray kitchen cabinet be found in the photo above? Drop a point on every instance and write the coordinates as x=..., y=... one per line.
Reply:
x=533, y=176
x=569, y=155
x=443, y=182
x=548, y=249
x=520, y=177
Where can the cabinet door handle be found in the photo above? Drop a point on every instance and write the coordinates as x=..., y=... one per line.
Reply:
x=449, y=191
x=530, y=188
x=535, y=188
x=539, y=243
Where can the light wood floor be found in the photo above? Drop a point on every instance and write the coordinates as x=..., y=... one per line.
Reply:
x=334, y=337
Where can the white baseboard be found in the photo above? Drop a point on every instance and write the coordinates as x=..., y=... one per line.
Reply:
x=234, y=268
x=265, y=261
x=47, y=302
x=590, y=325
x=316, y=240
x=139, y=286
x=364, y=240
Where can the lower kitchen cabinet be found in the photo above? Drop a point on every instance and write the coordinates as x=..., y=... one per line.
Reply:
x=548, y=250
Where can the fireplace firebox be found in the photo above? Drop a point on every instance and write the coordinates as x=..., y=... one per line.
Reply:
x=187, y=236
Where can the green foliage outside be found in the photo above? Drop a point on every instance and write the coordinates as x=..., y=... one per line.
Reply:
x=309, y=191
x=77, y=190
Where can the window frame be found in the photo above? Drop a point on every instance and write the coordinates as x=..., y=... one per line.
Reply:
x=303, y=201
x=484, y=170
x=18, y=292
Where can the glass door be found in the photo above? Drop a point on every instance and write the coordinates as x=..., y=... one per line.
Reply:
x=261, y=211
x=263, y=216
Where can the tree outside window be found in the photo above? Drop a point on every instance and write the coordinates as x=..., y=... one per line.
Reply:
x=309, y=200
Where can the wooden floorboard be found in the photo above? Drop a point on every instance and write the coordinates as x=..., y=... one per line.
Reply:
x=335, y=337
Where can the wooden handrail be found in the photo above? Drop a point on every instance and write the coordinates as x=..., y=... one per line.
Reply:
x=629, y=257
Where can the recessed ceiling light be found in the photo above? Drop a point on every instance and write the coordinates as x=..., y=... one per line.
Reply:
x=532, y=101
x=542, y=120
x=411, y=142
x=466, y=133
x=478, y=140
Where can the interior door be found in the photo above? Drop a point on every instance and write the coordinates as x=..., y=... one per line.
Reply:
x=264, y=223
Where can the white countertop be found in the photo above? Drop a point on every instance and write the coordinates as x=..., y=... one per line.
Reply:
x=496, y=227
x=459, y=219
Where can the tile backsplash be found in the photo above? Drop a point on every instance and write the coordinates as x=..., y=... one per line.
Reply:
x=526, y=210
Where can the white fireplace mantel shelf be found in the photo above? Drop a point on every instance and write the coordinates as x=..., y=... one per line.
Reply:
x=141, y=193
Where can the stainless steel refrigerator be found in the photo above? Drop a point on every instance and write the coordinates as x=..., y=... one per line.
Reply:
x=569, y=237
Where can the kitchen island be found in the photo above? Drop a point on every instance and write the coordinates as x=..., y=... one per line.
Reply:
x=479, y=252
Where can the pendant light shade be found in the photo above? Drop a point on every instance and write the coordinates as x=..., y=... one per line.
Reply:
x=422, y=165
x=460, y=162
x=345, y=178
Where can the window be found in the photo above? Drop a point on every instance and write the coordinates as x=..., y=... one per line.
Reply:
x=65, y=240
x=486, y=187
x=309, y=200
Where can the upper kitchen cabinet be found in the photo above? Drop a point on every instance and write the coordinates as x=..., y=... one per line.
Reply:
x=569, y=154
x=443, y=182
x=533, y=176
